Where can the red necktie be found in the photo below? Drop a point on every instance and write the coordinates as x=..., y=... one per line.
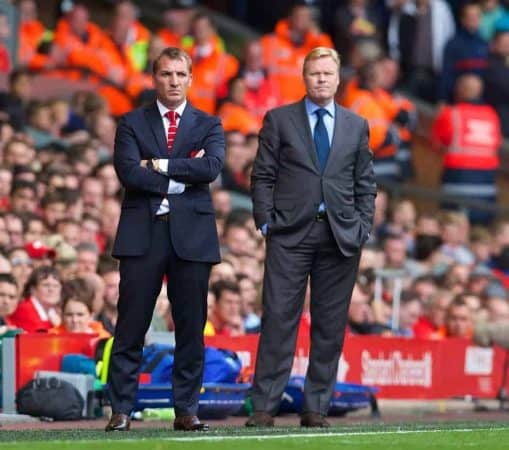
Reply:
x=172, y=129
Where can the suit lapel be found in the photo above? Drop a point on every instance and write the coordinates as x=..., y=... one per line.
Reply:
x=186, y=125
x=156, y=124
x=340, y=132
x=301, y=123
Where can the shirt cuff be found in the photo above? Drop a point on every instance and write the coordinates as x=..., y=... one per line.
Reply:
x=174, y=187
x=163, y=166
x=264, y=228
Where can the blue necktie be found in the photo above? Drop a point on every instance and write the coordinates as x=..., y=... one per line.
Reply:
x=321, y=139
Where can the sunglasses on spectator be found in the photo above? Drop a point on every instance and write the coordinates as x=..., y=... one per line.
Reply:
x=21, y=262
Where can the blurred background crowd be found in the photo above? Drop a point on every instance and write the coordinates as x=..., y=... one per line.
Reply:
x=69, y=69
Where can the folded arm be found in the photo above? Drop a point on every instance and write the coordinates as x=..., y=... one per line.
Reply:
x=126, y=159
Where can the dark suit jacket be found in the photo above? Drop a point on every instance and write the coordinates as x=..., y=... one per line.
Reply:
x=141, y=135
x=287, y=183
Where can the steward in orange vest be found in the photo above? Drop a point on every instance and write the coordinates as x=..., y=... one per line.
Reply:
x=285, y=48
x=469, y=136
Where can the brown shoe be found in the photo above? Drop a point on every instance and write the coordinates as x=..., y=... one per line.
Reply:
x=118, y=422
x=189, y=423
x=260, y=419
x=313, y=420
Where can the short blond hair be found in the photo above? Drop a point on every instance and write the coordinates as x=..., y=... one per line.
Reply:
x=322, y=52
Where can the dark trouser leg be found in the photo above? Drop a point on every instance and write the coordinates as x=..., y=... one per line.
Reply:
x=332, y=279
x=187, y=290
x=284, y=287
x=140, y=284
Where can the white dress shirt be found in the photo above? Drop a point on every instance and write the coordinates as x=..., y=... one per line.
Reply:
x=174, y=187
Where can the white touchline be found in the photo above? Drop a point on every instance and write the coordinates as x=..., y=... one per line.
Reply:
x=264, y=437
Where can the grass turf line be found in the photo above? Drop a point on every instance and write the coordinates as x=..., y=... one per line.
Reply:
x=492, y=439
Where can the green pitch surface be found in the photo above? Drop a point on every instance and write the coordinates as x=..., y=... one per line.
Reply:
x=437, y=436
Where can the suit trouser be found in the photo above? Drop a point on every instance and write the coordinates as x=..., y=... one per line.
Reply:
x=140, y=284
x=332, y=278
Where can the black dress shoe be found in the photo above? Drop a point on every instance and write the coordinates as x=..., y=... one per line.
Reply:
x=118, y=422
x=189, y=423
x=313, y=420
x=260, y=419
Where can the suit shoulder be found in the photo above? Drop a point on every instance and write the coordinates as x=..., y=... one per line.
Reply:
x=285, y=109
x=351, y=116
x=134, y=114
x=203, y=116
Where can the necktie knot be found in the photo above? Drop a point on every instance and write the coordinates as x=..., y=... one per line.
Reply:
x=320, y=112
x=172, y=116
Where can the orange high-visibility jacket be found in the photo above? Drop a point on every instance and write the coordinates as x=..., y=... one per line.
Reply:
x=237, y=117
x=210, y=78
x=284, y=59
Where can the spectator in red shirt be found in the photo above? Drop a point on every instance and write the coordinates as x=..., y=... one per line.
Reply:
x=39, y=311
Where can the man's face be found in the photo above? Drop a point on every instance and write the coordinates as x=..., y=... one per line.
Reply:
x=471, y=18
x=8, y=298
x=228, y=306
x=321, y=77
x=23, y=200
x=171, y=81
x=459, y=322
x=111, y=282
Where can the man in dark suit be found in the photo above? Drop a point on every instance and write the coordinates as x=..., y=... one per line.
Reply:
x=313, y=191
x=166, y=154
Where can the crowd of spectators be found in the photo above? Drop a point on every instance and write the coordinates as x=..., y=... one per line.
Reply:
x=60, y=199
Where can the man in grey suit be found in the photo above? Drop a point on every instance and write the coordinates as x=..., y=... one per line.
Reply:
x=313, y=191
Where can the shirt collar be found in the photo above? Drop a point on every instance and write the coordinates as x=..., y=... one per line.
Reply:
x=163, y=109
x=311, y=107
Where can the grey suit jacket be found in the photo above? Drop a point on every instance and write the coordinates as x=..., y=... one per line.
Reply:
x=287, y=182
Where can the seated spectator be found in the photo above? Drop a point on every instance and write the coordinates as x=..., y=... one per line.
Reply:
x=21, y=265
x=9, y=298
x=33, y=225
x=18, y=152
x=481, y=244
x=396, y=256
x=425, y=286
x=226, y=318
x=14, y=102
x=109, y=271
x=409, y=312
x=39, y=311
x=234, y=113
x=77, y=299
x=453, y=247
x=434, y=313
x=262, y=92
x=456, y=278
x=497, y=309
x=458, y=320
x=249, y=304
x=361, y=319
x=88, y=258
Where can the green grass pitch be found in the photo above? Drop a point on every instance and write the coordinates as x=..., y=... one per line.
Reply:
x=486, y=436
